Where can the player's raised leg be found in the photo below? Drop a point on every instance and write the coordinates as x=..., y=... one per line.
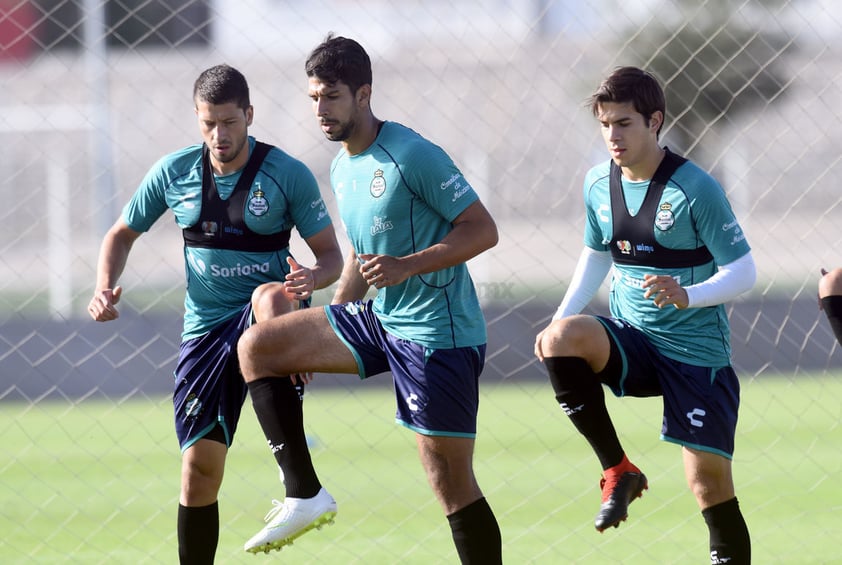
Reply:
x=270, y=351
x=575, y=350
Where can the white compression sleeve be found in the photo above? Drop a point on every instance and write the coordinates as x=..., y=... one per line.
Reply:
x=590, y=271
x=725, y=285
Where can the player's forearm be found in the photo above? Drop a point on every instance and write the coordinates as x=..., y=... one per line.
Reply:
x=726, y=284
x=351, y=286
x=113, y=255
x=327, y=269
x=466, y=240
x=328, y=265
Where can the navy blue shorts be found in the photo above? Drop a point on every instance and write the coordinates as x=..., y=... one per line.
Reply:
x=209, y=388
x=437, y=390
x=700, y=403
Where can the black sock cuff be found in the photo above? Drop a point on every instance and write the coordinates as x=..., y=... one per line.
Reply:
x=832, y=303
x=478, y=507
x=566, y=365
x=210, y=508
x=723, y=509
x=569, y=373
x=267, y=383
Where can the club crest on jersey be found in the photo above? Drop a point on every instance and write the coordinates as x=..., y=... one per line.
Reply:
x=624, y=246
x=665, y=219
x=258, y=205
x=378, y=184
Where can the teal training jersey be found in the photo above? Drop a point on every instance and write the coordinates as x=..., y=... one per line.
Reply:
x=284, y=195
x=399, y=197
x=693, y=211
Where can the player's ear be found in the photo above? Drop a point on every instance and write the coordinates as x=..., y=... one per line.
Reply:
x=364, y=95
x=656, y=121
x=249, y=115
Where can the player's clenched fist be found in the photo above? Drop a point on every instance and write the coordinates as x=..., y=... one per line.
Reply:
x=102, y=306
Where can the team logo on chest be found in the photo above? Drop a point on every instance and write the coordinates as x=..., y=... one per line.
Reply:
x=665, y=219
x=258, y=205
x=378, y=184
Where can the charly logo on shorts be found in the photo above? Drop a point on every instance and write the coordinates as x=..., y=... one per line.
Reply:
x=378, y=184
x=192, y=406
x=258, y=205
x=665, y=219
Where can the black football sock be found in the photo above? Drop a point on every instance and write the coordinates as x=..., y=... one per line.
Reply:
x=476, y=534
x=832, y=306
x=579, y=393
x=278, y=406
x=198, y=534
x=729, y=538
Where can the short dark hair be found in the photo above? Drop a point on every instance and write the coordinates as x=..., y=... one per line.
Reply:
x=222, y=84
x=339, y=59
x=631, y=84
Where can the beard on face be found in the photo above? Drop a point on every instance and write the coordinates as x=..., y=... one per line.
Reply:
x=233, y=152
x=342, y=133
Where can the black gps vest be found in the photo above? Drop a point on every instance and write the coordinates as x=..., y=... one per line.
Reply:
x=633, y=241
x=220, y=224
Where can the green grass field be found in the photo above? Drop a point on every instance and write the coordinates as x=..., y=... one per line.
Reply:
x=97, y=482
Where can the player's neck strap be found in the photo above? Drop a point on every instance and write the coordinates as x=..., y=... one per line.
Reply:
x=633, y=241
x=221, y=224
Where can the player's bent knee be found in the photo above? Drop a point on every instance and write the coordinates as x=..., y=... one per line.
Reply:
x=247, y=352
x=570, y=336
x=269, y=300
x=831, y=283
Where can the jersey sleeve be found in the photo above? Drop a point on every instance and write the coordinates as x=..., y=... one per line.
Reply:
x=597, y=211
x=307, y=207
x=148, y=203
x=716, y=222
x=432, y=173
x=303, y=207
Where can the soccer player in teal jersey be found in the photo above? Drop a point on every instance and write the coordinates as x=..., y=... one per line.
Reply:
x=413, y=221
x=236, y=200
x=438, y=309
x=678, y=254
